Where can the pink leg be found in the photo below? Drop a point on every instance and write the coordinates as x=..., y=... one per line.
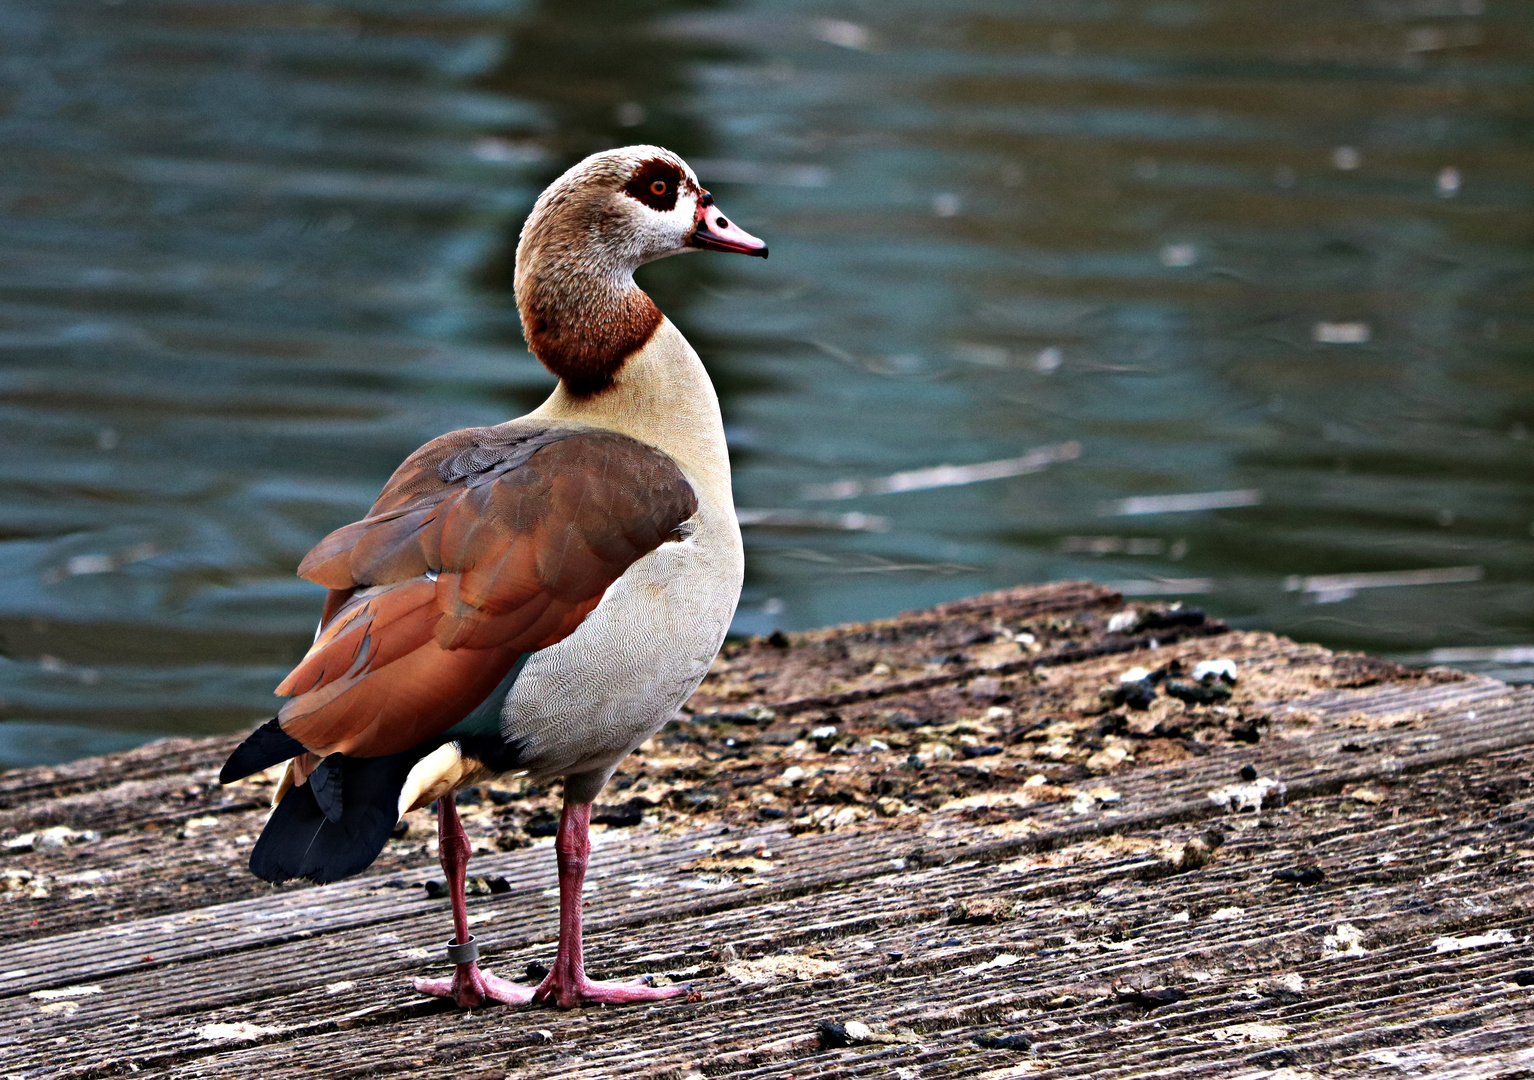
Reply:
x=566, y=984
x=468, y=986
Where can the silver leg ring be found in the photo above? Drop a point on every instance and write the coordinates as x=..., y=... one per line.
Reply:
x=463, y=952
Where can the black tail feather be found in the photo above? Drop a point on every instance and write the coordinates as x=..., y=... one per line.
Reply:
x=266, y=746
x=325, y=782
x=300, y=840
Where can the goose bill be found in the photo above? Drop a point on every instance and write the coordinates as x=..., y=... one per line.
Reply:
x=715, y=232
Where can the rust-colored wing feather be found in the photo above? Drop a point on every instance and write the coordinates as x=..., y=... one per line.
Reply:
x=485, y=544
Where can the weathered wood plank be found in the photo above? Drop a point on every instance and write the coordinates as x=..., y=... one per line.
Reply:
x=1069, y=926
x=1162, y=795
x=974, y=762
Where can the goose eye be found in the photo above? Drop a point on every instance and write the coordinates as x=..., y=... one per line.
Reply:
x=658, y=187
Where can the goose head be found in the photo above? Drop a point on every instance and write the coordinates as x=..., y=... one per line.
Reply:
x=620, y=209
x=588, y=232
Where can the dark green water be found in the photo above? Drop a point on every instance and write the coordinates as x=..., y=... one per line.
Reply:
x=1275, y=259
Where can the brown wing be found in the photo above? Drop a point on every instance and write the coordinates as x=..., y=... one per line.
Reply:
x=485, y=544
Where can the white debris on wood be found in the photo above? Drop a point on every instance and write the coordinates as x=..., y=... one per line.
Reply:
x=1287, y=987
x=1253, y=796
x=831, y=818
x=57, y=837
x=67, y=1007
x=65, y=992
x=788, y=967
x=1221, y=668
x=1243, y=1033
x=1000, y=960
x=1108, y=758
x=1346, y=940
x=241, y=1032
x=1476, y=941
x=16, y=883
x=1124, y=622
x=929, y=753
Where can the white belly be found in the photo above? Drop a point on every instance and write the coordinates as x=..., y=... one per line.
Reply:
x=580, y=706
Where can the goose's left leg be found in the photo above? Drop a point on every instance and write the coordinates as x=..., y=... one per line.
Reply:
x=468, y=985
x=566, y=983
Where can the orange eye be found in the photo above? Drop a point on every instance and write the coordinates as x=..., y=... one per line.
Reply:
x=658, y=187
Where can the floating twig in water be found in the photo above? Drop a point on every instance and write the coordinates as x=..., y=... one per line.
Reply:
x=1504, y=654
x=948, y=475
x=1162, y=586
x=1329, y=588
x=799, y=519
x=874, y=564
x=1182, y=504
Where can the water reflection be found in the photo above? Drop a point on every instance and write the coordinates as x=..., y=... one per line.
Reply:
x=1225, y=250
x=1221, y=249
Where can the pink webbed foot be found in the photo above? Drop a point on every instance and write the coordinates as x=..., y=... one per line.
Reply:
x=575, y=990
x=470, y=988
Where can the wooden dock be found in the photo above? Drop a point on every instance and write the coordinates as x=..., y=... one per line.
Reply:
x=927, y=847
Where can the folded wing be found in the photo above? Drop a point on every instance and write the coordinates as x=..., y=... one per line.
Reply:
x=485, y=544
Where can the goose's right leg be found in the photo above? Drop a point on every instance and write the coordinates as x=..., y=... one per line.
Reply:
x=566, y=984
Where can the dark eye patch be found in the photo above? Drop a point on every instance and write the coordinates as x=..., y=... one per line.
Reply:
x=655, y=183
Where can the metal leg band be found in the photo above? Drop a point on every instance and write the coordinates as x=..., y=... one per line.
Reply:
x=463, y=952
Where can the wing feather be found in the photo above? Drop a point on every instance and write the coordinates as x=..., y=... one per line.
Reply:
x=485, y=544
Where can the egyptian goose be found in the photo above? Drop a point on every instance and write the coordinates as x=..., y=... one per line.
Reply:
x=539, y=596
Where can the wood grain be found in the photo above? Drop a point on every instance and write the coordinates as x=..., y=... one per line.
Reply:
x=1097, y=916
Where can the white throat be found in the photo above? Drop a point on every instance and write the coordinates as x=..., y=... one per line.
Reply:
x=662, y=396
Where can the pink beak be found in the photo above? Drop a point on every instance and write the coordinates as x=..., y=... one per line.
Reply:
x=715, y=232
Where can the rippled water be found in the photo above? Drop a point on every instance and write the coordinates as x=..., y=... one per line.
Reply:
x=1272, y=261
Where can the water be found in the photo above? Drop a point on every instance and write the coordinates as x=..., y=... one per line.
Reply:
x=1276, y=258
